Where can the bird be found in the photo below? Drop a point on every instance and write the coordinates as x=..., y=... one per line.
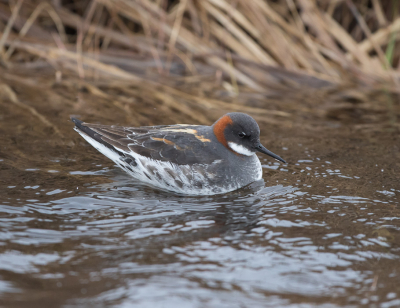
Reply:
x=183, y=158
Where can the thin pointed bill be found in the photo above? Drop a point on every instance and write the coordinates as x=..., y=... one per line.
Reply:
x=262, y=149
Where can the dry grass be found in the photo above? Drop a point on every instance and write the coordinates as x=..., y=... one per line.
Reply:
x=247, y=48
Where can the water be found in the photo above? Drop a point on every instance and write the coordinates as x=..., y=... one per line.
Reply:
x=319, y=232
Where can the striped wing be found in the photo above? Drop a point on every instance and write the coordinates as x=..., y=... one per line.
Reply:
x=178, y=144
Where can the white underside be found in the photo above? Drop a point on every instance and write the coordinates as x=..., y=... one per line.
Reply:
x=168, y=182
x=259, y=169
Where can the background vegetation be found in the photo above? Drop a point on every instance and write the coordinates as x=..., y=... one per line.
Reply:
x=337, y=59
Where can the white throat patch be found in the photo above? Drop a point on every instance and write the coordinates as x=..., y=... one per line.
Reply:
x=240, y=149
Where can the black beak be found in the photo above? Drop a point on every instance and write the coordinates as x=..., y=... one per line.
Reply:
x=262, y=149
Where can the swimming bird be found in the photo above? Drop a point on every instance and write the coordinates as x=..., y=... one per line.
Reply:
x=184, y=158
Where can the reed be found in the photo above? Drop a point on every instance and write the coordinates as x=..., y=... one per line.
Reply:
x=258, y=47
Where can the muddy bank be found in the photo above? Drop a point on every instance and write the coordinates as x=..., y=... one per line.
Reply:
x=37, y=133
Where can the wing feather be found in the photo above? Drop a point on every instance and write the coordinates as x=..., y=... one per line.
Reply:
x=179, y=144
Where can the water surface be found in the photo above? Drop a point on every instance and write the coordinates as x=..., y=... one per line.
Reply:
x=321, y=231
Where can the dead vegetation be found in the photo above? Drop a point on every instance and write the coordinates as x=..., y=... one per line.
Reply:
x=337, y=59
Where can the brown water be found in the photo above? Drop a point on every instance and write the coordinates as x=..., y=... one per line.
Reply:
x=322, y=231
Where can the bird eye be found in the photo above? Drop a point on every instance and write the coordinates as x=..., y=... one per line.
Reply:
x=242, y=135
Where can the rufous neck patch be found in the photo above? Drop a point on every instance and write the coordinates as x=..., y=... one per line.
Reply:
x=219, y=129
